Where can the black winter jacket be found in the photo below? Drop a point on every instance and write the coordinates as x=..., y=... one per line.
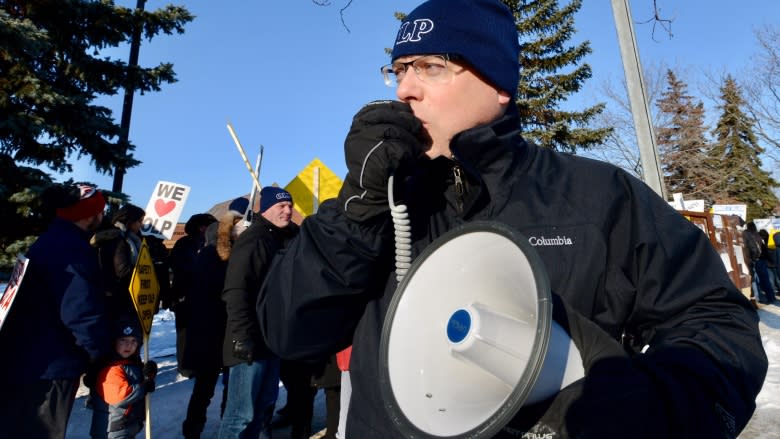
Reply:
x=614, y=251
x=117, y=254
x=205, y=332
x=250, y=258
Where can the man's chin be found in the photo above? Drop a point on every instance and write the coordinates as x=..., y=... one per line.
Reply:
x=433, y=152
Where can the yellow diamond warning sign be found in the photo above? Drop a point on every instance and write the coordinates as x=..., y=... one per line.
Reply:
x=313, y=185
x=144, y=288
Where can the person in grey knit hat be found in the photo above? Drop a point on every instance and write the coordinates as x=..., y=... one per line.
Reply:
x=668, y=345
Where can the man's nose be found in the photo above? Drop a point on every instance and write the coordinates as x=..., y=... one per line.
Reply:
x=409, y=87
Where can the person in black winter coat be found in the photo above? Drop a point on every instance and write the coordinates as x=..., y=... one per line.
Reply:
x=765, y=267
x=205, y=331
x=669, y=346
x=118, y=246
x=254, y=370
x=182, y=263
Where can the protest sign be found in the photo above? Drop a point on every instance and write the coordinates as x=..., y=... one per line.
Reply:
x=164, y=209
x=144, y=288
x=12, y=288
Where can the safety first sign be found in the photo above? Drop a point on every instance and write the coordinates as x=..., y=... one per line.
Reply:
x=144, y=288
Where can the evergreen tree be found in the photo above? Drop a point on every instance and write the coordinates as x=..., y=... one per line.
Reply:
x=682, y=143
x=51, y=72
x=544, y=29
x=737, y=152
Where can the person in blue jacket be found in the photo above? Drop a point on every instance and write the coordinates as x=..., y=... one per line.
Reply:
x=56, y=327
x=669, y=345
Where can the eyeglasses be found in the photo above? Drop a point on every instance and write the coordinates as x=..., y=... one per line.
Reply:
x=431, y=69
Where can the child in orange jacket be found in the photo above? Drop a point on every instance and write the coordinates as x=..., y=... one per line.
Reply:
x=119, y=409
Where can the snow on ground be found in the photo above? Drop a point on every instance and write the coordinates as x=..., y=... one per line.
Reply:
x=765, y=423
x=169, y=401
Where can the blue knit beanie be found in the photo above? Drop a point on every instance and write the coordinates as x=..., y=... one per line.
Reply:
x=126, y=328
x=271, y=195
x=483, y=32
x=238, y=206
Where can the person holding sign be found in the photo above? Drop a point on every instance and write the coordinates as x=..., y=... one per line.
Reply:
x=121, y=387
x=56, y=327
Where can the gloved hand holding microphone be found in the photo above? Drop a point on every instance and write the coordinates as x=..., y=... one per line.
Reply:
x=384, y=137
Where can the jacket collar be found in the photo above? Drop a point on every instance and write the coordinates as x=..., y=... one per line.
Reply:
x=290, y=230
x=489, y=154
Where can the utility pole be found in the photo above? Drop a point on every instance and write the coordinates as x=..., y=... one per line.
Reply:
x=637, y=94
x=127, y=105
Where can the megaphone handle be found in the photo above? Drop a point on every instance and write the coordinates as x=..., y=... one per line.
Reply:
x=403, y=234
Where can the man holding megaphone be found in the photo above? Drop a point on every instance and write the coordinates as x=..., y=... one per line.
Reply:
x=669, y=346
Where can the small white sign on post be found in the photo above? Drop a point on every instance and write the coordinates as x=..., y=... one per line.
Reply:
x=164, y=209
x=739, y=210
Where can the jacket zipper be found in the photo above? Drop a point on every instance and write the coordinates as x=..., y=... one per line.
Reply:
x=456, y=172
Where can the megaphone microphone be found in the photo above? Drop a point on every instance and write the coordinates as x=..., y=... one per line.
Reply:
x=469, y=338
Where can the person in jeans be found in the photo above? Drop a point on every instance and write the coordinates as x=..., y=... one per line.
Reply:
x=254, y=370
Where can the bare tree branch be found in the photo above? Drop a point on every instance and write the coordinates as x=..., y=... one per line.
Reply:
x=657, y=20
x=620, y=148
x=341, y=11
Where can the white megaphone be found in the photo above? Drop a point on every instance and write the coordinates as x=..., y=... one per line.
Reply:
x=469, y=338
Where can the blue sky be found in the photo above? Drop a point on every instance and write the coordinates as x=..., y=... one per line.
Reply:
x=288, y=76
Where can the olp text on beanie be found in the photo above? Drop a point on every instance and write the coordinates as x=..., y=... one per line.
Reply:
x=483, y=32
x=86, y=201
x=271, y=195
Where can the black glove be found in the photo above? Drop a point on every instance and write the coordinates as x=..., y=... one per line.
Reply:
x=244, y=350
x=148, y=385
x=383, y=140
x=150, y=370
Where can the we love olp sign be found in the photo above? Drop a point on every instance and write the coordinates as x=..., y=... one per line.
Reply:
x=164, y=209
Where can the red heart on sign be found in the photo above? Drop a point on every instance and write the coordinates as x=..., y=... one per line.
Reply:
x=163, y=207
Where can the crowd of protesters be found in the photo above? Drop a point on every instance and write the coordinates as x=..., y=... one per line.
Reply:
x=76, y=321
x=669, y=346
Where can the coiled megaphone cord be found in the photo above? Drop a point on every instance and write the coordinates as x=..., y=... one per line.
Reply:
x=403, y=234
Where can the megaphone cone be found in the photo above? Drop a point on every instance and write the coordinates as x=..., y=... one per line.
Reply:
x=469, y=339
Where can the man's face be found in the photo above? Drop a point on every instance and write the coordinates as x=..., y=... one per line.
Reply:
x=135, y=226
x=447, y=109
x=280, y=214
x=92, y=223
